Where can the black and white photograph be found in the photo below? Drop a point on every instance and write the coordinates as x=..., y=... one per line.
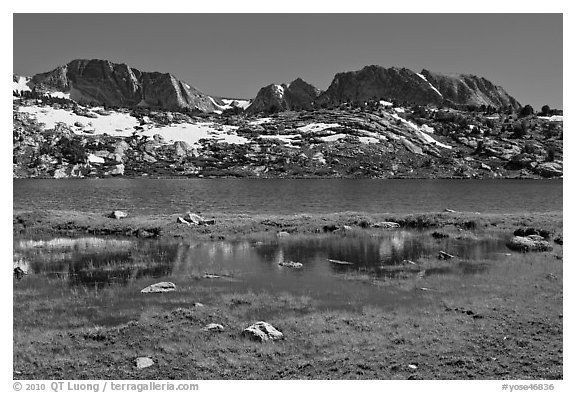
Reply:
x=287, y=196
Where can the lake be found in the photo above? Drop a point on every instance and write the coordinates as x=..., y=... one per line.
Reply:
x=288, y=196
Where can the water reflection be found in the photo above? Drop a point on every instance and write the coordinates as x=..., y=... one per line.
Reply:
x=98, y=262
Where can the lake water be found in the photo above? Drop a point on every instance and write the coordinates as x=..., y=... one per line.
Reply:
x=83, y=267
x=288, y=196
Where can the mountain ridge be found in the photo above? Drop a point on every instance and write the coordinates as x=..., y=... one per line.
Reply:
x=117, y=84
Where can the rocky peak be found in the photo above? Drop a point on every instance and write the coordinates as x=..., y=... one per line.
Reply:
x=294, y=96
x=402, y=84
x=105, y=82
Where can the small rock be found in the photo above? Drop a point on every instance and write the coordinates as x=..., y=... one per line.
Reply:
x=295, y=265
x=282, y=234
x=118, y=214
x=449, y=211
x=412, y=366
x=193, y=218
x=197, y=304
x=19, y=273
x=444, y=255
x=144, y=362
x=386, y=225
x=160, y=287
x=262, y=331
x=207, y=275
x=180, y=220
x=214, y=327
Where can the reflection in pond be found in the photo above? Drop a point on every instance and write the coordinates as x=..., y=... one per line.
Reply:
x=112, y=272
x=97, y=261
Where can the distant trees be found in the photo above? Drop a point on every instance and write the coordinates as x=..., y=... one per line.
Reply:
x=527, y=110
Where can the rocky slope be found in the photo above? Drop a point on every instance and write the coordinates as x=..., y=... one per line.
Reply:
x=294, y=96
x=57, y=138
x=104, y=82
x=404, y=85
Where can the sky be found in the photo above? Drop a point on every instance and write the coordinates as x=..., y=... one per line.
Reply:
x=234, y=55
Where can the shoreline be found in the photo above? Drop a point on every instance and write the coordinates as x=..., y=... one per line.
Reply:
x=266, y=226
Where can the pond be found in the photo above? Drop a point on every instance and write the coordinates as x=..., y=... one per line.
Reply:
x=110, y=273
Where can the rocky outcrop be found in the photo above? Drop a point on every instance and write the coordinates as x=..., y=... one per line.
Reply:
x=294, y=96
x=404, y=85
x=104, y=82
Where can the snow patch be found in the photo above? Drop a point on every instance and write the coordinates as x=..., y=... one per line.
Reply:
x=552, y=118
x=261, y=121
x=95, y=159
x=419, y=132
x=433, y=88
x=243, y=104
x=117, y=123
x=317, y=127
x=122, y=124
x=333, y=138
x=279, y=90
x=193, y=133
x=59, y=94
x=21, y=84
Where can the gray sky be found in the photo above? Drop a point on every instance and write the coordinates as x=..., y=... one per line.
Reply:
x=233, y=55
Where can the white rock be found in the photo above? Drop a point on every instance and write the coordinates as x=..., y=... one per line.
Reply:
x=262, y=331
x=214, y=327
x=143, y=362
x=160, y=287
x=118, y=214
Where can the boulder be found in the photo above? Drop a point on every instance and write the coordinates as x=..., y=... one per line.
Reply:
x=181, y=148
x=295, y=265
x=444, y=255
x=282, y=234
x=121, y=147
x=118, y=214
x=528, y=243
x=143, y=362
x=180, y=220
x=214, y=327
x=19, y=273
x=60, y=173
x=117, y=170
x=158, y=138
x=160, y=287
x=195, y=219
x=550, y=169
x=262, y=331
